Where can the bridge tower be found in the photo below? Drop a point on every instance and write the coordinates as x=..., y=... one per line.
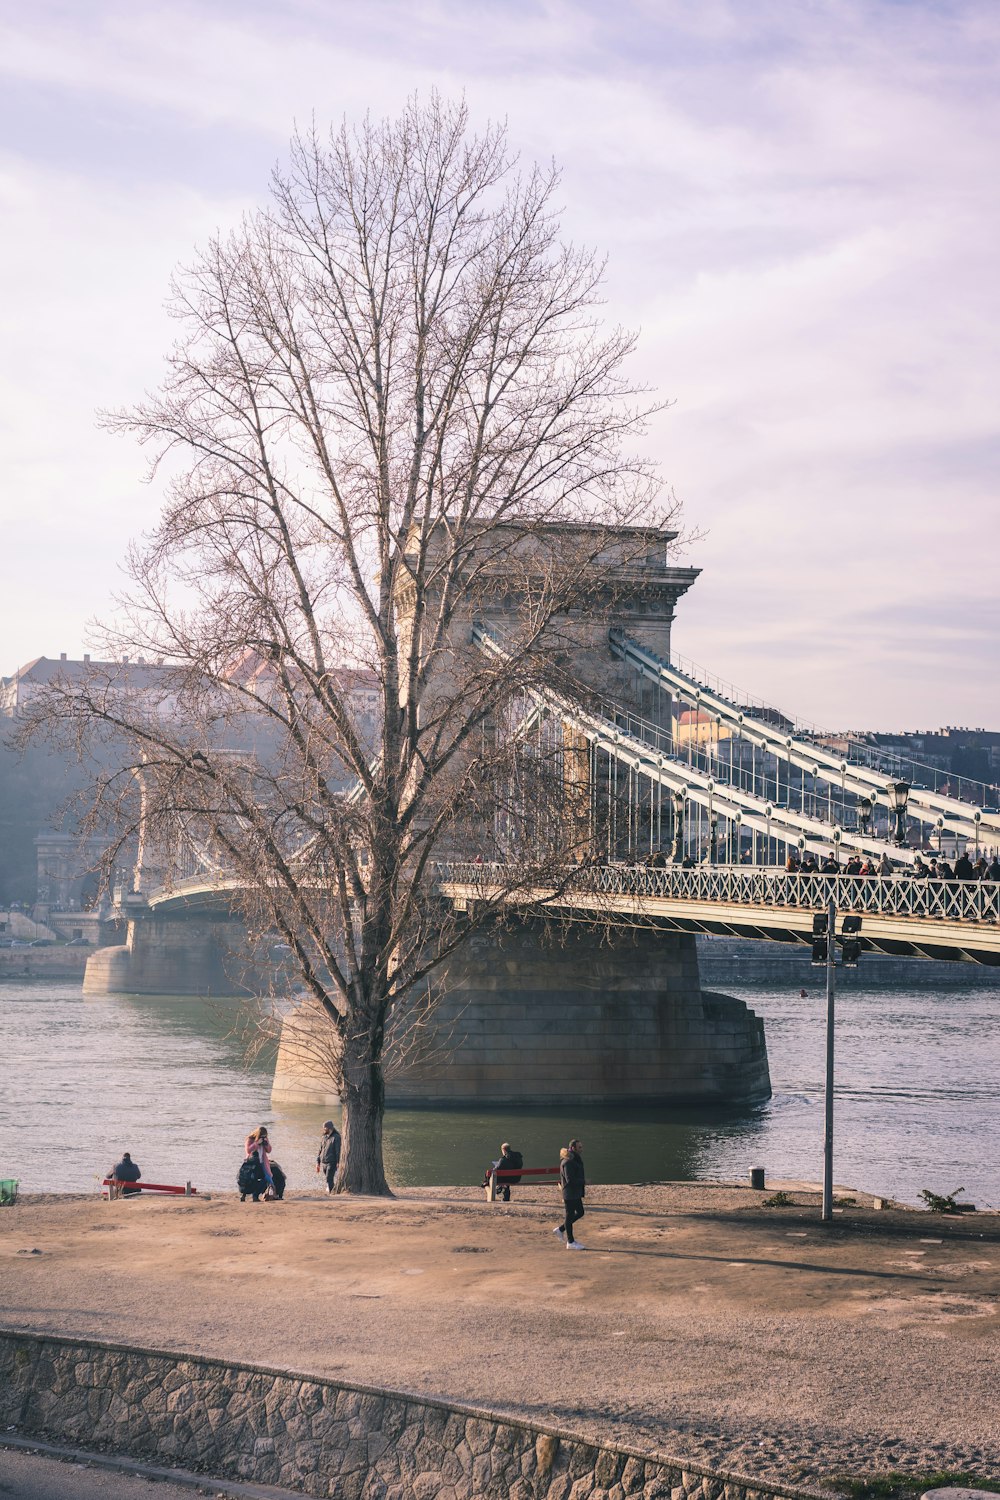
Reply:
x=588, y=1014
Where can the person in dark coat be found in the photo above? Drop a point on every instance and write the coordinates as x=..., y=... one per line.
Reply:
x=126, y=1171
x=509, y=1160
x=573, y=1181
x=963, y=867
x=328, y=1156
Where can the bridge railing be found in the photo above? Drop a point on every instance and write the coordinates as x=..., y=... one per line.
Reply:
x=733, y=885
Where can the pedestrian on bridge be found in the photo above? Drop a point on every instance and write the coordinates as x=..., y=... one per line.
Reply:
x=573, y=1181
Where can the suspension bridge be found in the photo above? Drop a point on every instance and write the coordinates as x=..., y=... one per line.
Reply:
x=708, y=782
x=689, y=803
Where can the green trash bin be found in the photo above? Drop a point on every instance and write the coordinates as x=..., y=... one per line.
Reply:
x=8, y=1191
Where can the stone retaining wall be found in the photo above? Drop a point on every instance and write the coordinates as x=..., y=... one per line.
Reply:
x=317, y=1436
x=43, y=963
x=739, y=961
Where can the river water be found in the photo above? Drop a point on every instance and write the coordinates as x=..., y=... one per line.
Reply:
x=918, y=1100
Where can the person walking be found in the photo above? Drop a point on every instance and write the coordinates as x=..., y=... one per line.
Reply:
x=328, y=1156
x=573, y=1181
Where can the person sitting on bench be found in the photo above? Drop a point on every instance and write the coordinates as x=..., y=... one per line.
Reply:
x=510, y=1161
x=126, y=1171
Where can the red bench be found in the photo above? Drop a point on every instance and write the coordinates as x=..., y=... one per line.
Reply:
x=115, y=1185
x=494, y=1177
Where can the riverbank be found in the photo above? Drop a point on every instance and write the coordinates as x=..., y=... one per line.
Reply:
x=698, y=1322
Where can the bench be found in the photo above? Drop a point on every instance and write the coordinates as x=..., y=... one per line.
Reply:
x=112, y=1187
x=494, y=1177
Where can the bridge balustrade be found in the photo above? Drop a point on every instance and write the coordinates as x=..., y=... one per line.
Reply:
x=884, y=895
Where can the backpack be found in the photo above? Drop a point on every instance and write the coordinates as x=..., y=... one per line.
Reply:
x=250, y=1178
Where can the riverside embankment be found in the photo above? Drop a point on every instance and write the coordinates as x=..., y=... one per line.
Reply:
x=698, y=1323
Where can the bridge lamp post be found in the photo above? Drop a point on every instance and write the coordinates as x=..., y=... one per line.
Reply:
x=713, y=825
x=677, y=848
x=900, y=791
x=866, y=808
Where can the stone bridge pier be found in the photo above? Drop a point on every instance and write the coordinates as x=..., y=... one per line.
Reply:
x=530, y=1016
x=186, y=953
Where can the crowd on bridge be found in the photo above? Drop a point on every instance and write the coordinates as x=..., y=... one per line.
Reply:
x=935, y=868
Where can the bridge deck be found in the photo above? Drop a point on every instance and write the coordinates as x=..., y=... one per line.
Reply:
x=901, y=914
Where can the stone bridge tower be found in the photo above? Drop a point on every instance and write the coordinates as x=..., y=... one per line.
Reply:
x=589, y=1015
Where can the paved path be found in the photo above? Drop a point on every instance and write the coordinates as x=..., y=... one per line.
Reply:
x=698, y=1323
x=68, y=1475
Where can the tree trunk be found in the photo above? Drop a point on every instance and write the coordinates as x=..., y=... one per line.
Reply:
x=361, y=1169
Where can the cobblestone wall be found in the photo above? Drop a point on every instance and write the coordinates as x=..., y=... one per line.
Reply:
x=316, y=1436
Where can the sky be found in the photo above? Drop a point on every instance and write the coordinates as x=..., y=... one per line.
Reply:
x=799, y=201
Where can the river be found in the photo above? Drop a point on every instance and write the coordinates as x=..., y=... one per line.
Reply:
x=918, y=1100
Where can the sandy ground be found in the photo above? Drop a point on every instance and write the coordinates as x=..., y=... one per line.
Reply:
x=698, y=1323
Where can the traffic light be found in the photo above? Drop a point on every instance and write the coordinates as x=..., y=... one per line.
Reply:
x=850, y=946
x=820, y=939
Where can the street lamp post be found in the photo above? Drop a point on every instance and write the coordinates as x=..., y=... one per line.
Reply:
x=831, y=986
x=900, y=791
x=825, y=952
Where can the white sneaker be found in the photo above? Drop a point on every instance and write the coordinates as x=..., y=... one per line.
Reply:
x=560, y=1231
x=574, y=1245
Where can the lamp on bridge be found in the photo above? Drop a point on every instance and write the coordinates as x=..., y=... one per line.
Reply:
x=677, y=848
x=866, y=808
x=713, y=825
x=900, y=791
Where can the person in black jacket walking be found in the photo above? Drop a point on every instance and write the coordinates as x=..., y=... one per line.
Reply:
x=328, y=1155
x=573, y=1182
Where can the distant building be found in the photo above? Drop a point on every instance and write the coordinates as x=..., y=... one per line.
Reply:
x=961, y=753
x=260, y=677
x=29, y=681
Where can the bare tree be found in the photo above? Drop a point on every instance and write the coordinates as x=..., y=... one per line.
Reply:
x=390, y=412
